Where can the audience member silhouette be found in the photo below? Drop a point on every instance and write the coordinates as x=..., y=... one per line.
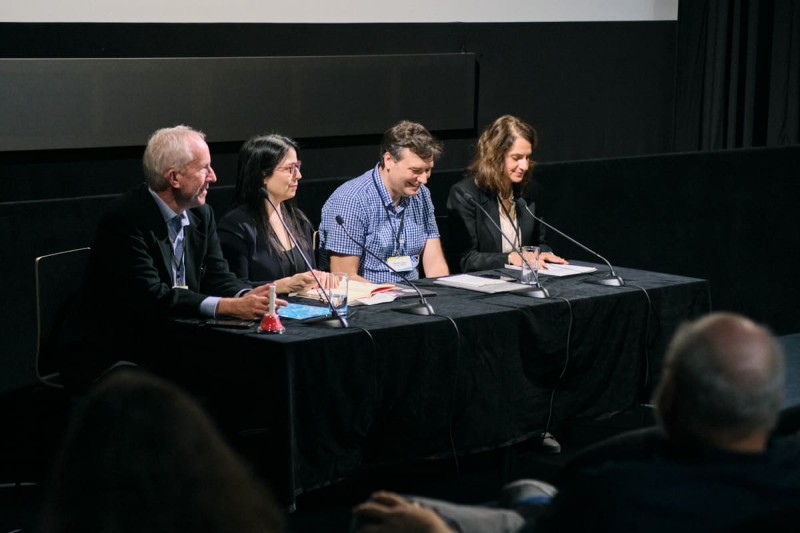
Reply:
x=712, y=464
x=141, y=455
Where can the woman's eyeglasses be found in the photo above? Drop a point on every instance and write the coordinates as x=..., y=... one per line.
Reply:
x=292, y=168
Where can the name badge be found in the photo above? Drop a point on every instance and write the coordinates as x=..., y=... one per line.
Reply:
x=401, y=263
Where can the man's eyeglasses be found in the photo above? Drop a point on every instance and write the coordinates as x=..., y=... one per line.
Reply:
x=292, y=168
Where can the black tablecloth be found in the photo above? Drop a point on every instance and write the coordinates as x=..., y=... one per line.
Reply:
x=478, y=375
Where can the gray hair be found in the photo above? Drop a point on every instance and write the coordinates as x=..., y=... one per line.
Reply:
x=167, y=148
x=727, y=374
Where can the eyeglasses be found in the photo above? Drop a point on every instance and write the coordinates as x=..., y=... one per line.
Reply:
x=292, y=168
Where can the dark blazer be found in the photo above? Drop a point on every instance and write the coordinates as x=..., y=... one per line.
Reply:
x=247, y=251
x=128, y=281
x=132, y=254
x=474, y=242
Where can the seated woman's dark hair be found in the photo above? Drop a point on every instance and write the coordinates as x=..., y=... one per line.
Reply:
x=259, y=156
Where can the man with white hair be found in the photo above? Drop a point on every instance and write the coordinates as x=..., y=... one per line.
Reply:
x=157, y=254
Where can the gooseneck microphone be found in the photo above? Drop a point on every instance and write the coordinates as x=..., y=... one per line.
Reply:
x=421, y=308
x=337, y=320
x=612, y=279
x=536, y=290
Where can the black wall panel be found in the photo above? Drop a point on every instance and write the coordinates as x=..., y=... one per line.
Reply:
x=88, y=103
x=729, y=217
x=593, y=90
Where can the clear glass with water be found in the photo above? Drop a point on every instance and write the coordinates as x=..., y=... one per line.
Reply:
x=531, y=254
x=339, y=282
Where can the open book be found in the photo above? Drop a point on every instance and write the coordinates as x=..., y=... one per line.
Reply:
x=356, y=291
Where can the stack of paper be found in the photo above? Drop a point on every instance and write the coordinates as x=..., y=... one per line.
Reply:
x=478, y=283
x=554, y=269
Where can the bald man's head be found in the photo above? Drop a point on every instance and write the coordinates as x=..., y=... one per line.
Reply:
x=723, y=380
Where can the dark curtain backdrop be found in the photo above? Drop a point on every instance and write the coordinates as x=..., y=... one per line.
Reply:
x=738, y=75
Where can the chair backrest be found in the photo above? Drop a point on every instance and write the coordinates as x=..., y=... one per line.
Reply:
x=58, y=280
x=321, y=255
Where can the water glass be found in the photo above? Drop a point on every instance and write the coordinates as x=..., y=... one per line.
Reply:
x=338, y=283
x=531, y=254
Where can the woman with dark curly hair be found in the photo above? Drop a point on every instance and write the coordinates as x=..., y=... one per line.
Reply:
x=499, y=173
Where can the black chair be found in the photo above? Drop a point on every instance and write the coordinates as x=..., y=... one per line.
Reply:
x=58, y=281
x=34, y=418
x=636, y=444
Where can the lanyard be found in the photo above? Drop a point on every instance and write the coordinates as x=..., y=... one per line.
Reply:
x=399, y=235
x=399, y=239
x=517, y=232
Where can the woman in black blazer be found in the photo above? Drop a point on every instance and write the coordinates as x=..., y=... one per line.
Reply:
x=499, y=172
x=253, y=240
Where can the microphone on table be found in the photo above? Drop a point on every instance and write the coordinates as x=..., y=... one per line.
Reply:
x=536, y=290
x=612, y=279
x=337, y=320
x=421, y=308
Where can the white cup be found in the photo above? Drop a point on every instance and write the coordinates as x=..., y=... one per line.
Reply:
x=531, y=255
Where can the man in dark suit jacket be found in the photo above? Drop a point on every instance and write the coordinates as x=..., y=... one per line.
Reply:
x=157, y=254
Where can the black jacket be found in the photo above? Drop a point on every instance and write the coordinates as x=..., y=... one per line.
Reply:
x=474, y=242
x=248, y=254
x=128, y=287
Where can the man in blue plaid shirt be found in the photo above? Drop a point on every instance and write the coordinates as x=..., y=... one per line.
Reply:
x=388, y=210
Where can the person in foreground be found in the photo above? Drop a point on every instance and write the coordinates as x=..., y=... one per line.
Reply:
x=157, y=254
x=499, y=178
x=141, y=455
x=710, y=465
x=389, y=211
x=254, y=241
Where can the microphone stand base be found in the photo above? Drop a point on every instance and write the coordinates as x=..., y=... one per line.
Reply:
x=608, y=281
x=422, y=308
x=533, y=292
x=328, y=321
